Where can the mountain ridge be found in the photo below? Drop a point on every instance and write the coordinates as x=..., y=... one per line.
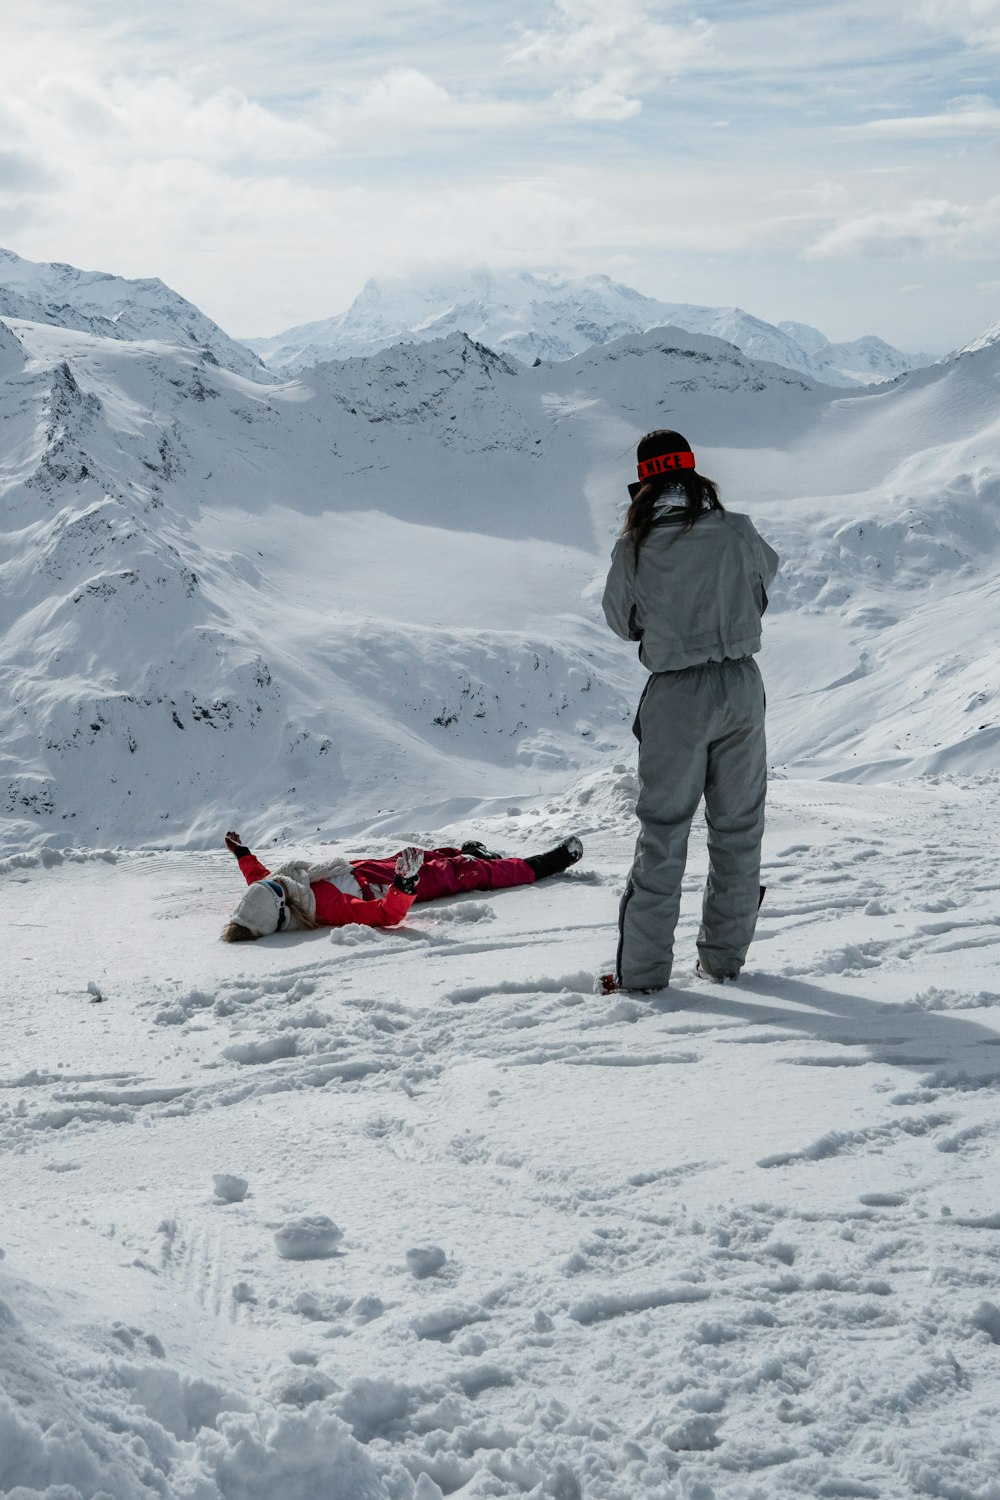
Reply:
x=115, y=307
x=551, y=317
x=380, y=581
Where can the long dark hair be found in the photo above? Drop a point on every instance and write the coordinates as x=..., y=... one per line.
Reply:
x=701, y=494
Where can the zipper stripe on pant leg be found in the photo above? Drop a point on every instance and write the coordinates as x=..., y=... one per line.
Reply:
x=629, y=893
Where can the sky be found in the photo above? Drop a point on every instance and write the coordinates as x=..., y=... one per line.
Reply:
x=833, y=162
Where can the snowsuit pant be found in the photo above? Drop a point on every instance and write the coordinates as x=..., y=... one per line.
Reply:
x=446, y=872
x=701, y=733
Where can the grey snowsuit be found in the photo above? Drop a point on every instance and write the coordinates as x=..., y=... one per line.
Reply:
x=694, y=604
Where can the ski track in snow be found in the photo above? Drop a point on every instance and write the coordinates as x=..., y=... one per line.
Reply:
x=730, y=1241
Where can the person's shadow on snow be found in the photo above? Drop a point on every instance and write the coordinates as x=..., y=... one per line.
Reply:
x=949, y=1041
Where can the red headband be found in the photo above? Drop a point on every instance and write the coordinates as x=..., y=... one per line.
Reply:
x=650, y=467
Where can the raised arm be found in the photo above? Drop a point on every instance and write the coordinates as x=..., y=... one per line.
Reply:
x=249, y=864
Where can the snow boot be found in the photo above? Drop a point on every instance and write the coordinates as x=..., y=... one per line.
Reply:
x=477, y=850
x=610, y=984
x=556, y=860
x=701, y=973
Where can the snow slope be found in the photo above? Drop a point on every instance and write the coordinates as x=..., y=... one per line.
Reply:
x=321, y=593
x=553, y=317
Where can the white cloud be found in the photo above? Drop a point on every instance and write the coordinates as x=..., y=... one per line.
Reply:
x=975, y=21
x=23, y=174
x=156, y=119
x=404, y=92
x=403, y=105
x=341, y=143
x=927, y=227
x=981, y=119
x=610, y=56
x=811, y=199
x=603, y=100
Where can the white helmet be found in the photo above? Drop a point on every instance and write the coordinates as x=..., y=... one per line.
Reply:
x=263, y=909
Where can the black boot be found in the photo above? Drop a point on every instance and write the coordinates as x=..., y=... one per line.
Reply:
x=478, y=850
x=556, y=860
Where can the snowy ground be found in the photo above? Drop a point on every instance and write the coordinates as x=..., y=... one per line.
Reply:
x=730, y=1242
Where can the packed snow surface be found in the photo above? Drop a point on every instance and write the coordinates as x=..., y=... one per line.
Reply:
x=502, y=1237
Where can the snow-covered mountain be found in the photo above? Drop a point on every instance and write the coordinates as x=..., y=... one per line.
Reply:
x=306, y=593
x=864, y=361
x=379, y=584
x=525, y=316
x=552, y=317
x=114, y=307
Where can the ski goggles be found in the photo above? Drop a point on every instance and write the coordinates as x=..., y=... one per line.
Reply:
x=273, y=885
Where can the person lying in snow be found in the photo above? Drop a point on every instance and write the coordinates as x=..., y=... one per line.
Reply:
x=375, y=892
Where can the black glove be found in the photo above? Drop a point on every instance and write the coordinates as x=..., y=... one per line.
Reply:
x=235, y=845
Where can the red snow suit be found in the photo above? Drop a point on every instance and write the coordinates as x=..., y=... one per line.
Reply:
x=444, y=872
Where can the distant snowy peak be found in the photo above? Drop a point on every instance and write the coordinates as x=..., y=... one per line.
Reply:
x=553, y=318
x=527, y=316
x=860, y=361
x=115, y=307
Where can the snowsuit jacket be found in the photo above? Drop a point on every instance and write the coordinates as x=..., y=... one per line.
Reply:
x=445, y=872
x=696, y=596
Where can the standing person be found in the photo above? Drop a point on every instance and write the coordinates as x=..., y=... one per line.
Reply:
x=374, y=892
x=689, y=582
